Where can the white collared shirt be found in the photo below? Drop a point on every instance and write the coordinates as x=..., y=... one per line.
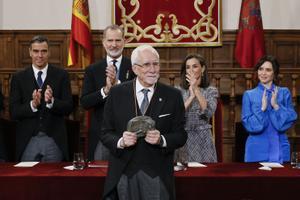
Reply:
x=36, y=70
x=109, y=60
x=44, y=75
x=140, y=94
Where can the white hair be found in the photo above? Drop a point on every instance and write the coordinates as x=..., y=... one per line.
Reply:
x=136, y=52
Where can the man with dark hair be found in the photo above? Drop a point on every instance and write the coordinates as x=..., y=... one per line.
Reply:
x=98, y=80
x=40, y=98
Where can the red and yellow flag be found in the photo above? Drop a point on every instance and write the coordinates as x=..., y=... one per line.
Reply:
x=250, y=45
x=80, y=50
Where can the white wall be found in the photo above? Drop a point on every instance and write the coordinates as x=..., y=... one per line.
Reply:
x=1, y=13
x=56, y=14
x=276, y=14
x=49, y=14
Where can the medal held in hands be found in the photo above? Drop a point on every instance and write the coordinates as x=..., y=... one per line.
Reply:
x=140, y=125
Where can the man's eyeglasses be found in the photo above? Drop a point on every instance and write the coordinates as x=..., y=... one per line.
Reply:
x=148, y=65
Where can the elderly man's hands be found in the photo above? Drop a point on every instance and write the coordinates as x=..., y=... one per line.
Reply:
x=153, y=137
x=129, y=139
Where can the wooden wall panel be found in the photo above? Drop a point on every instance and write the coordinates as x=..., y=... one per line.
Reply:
x=7, y=51
x=283, y=44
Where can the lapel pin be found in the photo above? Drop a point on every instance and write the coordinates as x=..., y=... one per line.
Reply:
x=160, y=99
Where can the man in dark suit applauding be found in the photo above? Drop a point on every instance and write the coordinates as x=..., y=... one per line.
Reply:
x=98, y=80
x=141, y=167
x=40, y=98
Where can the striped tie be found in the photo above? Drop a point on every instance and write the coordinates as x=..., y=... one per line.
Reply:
x=145, y=101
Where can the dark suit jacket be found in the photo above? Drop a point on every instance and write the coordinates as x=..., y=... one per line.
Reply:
x=166, y=108
x=51, y=121
x=2, y=143
x=91, y=98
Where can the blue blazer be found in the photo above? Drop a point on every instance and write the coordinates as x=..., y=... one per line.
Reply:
x=267, y=140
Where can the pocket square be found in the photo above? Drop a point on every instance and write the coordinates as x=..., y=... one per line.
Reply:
x=164, y=115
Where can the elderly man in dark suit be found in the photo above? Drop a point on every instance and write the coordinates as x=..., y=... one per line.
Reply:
x=98, y=80
x=40, y=98
x=142, y=167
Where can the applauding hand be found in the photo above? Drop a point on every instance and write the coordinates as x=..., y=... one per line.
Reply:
x=264, y=102
x=111, y=79
x=36, y=98
x=274, y=99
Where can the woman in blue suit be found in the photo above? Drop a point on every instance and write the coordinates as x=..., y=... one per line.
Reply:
x=267, y=113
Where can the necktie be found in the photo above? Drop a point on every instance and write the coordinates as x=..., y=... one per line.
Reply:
x=39, y=79
x=145, y=101
x=117, y=71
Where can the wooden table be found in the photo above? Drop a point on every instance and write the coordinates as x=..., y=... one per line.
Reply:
x=216, y=181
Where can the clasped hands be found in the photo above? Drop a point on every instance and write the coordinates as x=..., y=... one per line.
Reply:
x=130, y=138
x=264, y=100
x=37, y=96
x=194, y=83
x=111, y=78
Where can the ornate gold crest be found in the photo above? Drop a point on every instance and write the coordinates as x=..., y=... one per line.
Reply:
x=165, y=30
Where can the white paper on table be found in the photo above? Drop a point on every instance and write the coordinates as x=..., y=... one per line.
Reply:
x=71, y=167
x=265, y=168
x=271, y=164
x=195, y=164
x=26, y=164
